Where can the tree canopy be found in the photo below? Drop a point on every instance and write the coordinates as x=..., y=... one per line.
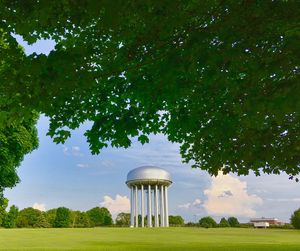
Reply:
x=123, y=219
x=295, y=219
x=221, y=78
x=207, y=222
x=62, y=218
x=224, y=223
x=11, y=217
x=99, y=216
x=176, y=220
x=30, y=217
x=233, y=222
x=17, y=137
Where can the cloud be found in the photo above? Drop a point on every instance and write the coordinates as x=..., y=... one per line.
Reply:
x=72, y=151
x=191, y=205
x=284, y=199
x=41, y=207
x=107, y=163
x=117, y=205
x=228, y=195
x=81, y=165
x=186, y=205
x=65, y=150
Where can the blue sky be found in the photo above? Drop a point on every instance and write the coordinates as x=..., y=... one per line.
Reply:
x=68, y=175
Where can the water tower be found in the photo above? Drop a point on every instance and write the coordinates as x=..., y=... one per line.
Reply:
x=149, y=183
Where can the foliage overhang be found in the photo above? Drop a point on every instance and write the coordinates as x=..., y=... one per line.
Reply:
x=219, y=77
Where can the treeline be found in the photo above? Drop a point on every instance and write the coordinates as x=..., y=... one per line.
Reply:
x=123, y=220
x=61, y=217
x=209, y=222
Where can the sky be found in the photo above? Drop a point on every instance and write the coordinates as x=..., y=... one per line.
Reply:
x=68, y=175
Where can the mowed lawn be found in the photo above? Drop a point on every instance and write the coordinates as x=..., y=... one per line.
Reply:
x=150, y=239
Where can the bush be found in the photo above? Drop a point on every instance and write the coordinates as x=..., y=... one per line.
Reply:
x=191, y=224
x=295, y=219
x=284, y=226
x=207, y=222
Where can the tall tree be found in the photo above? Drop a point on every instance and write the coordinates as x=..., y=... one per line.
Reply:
x=224, y=223
x=50, y=216
x=295, y=219
x=99, y=216
x=3, y=206
x=233, y=222
x=10, y=219
x=62, y=218
x=218, y=77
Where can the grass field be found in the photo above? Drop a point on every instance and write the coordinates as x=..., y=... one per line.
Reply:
x=150, y=239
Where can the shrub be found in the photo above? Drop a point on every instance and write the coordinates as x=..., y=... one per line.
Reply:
x=284, y=226
x=191, y=224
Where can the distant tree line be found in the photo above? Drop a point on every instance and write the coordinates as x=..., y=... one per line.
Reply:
x=61, y=217
x=123, y=220
x=209, y=222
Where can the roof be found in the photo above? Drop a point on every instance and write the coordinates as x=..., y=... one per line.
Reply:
x=148, y=175
x=263, y=219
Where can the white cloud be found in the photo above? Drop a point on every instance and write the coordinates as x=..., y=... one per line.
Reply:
x=81, y=165
x=186, y=205
x=73, y=151
x=41, y=207
x=107, y=163
x=65, y=150
x=191, y=205
x=228, y=195
x=197, y=202
x=284, y=199
x=117, y=205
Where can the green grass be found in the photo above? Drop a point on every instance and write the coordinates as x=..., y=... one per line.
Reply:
x=173, y=239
